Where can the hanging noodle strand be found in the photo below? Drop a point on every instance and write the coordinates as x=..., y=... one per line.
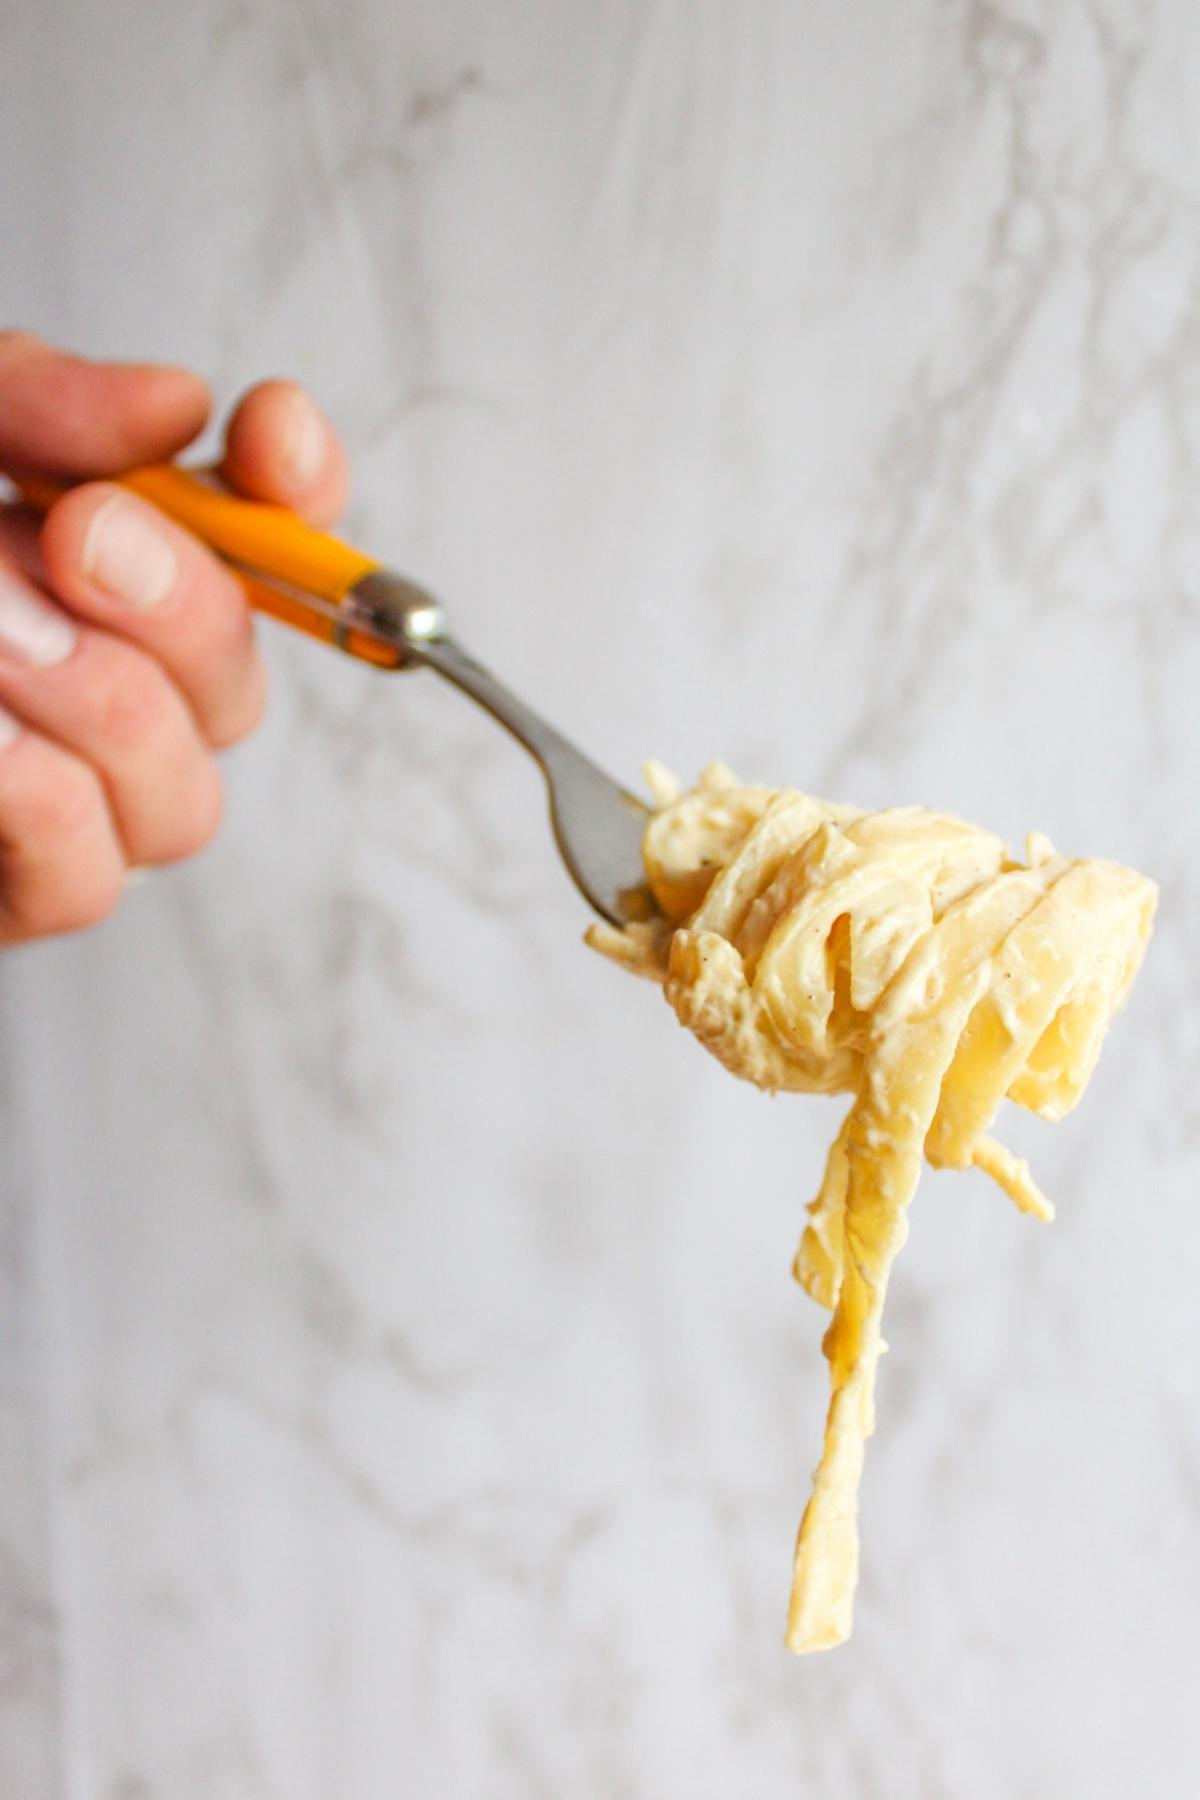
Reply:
x=904, y=958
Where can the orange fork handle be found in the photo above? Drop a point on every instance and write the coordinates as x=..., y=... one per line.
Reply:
x=267, y=540
x=264, y=544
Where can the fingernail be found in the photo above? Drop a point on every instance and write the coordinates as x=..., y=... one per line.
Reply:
x=127, y=555
x=9, y=728
x=302, y=443
x=32, y=629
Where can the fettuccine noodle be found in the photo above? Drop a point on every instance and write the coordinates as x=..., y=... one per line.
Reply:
x=902, y=957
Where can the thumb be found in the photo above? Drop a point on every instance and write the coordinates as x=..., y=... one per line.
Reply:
x=64, y=415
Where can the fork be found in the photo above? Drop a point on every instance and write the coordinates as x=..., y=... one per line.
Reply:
x=317, y=584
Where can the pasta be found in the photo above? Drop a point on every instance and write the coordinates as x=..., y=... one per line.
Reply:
x=904, y=958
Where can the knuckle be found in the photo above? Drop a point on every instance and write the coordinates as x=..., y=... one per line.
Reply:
x=70, y=900
x=242, y=712
x=188, y=825
x=130, y=701
x=60, y=870
x=212, y=604
x=229, y=630
x=63, y=803
x=200, y=820
x=90, y=902
x=211, y=808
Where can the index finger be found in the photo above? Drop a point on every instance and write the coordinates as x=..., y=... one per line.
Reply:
x=63, y=415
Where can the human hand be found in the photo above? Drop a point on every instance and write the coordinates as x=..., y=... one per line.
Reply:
x=127, y=652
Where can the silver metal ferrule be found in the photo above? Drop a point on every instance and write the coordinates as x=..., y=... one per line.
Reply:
x=393, y=609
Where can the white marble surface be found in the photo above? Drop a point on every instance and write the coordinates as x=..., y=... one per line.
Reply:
x=405, y=1397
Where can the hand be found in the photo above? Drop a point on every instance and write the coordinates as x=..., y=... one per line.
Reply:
x=127, y=652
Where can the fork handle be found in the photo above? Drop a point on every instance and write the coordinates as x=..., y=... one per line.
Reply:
x=262, y=544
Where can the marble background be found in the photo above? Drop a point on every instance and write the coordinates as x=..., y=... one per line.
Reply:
x=404, y=1392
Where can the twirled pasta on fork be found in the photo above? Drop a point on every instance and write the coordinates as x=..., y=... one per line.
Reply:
x=903, y=957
